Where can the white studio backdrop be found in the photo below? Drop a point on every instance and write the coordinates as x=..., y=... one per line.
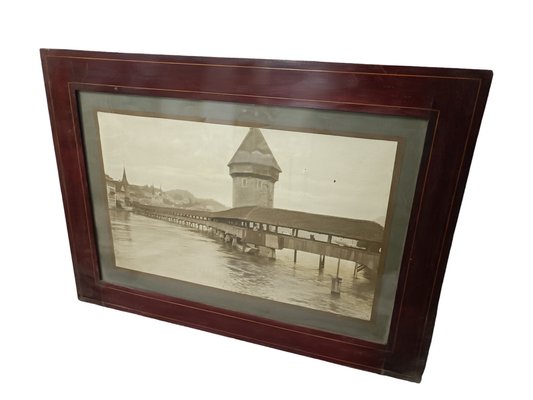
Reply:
x=53, y=346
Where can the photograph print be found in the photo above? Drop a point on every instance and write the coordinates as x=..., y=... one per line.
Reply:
x=293, y=217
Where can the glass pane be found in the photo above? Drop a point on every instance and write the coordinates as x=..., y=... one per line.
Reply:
x=292, y=214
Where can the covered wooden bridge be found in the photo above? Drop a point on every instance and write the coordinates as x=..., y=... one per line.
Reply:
x=264, y=230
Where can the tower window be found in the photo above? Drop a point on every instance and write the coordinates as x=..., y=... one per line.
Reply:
x=244, y=182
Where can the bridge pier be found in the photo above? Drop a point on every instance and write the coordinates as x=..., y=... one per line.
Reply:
x=321, y=261
x=336, y=285
x=336, y=281
x=295, y=234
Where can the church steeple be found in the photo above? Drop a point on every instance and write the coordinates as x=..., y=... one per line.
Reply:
x=124, y=177
x=123, y=183
x=254, y=170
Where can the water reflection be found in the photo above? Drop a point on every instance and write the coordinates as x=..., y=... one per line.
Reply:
x=178, y=252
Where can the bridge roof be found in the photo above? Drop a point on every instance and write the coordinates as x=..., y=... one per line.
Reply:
x=326, y=224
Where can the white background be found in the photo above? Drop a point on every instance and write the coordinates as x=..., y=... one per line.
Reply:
x=52, y=346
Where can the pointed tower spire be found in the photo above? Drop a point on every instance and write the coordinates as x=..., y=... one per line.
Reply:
x=124, y=177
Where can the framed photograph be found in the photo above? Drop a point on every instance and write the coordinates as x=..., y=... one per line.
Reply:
x=304, y=206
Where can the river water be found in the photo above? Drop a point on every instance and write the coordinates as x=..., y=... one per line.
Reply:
x=179, y=252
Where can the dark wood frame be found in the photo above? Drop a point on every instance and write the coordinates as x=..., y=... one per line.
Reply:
x=452, y=99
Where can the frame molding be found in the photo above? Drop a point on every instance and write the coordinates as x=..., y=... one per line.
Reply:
x=452, y=99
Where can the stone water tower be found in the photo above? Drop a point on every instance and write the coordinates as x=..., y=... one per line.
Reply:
x=254, y=171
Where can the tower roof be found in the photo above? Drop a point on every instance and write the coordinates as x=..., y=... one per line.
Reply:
x=254, y=150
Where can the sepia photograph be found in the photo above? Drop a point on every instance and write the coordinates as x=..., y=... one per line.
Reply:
x=294, y=217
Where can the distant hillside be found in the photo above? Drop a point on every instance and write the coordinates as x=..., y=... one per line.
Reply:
x=184, y=198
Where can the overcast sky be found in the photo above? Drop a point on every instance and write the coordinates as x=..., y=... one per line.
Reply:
x=332, y=175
